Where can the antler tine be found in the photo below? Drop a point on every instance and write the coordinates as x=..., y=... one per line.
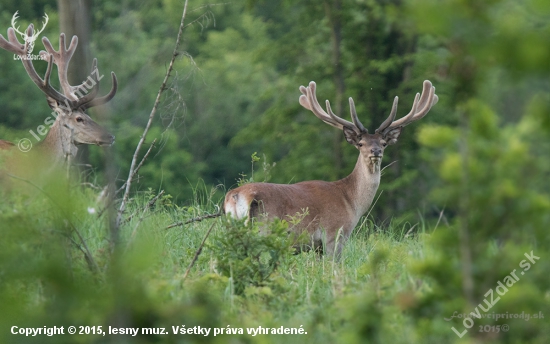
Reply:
x=12, y=44
x=104, y=99
x=308, y=99
x=304, y=101
x=428, y=102
x=341, y=121
x=316, y=107
x=423, y=102
x=22, y=50
x=425, y=98
x=432, y=100
x=390, y=118
x=403, y=121
x=95, y=87
x=354, y=117
x=61, y=59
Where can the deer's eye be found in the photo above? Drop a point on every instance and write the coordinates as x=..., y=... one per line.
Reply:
x=359, y=145
x=79, y=119
x=384, y=143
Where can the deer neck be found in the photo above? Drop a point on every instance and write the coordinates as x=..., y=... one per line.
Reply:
x=58, y=144
x=361, y=185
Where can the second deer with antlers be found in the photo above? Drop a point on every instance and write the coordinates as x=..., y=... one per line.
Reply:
x=72, y=126
x=330, y=208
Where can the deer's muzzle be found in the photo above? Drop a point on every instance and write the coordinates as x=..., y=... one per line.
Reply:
x=107, y=140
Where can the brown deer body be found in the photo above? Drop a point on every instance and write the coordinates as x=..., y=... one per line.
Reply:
x=330, y=210
x=72, y=126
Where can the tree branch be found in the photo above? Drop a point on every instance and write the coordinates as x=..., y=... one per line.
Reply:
x=198, y=251
x=138, y=166
x=150, y=121
x=195, y=219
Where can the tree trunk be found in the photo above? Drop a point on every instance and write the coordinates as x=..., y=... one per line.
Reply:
x=333, y=11
x=75, y=19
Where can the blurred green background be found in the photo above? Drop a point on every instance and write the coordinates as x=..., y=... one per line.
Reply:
x=467, y=196
x=235, y=89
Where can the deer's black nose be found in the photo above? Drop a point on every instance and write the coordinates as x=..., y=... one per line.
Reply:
x=376, y=151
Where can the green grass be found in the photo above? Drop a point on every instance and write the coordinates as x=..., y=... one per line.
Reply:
x=310, y=290
x=368, y=295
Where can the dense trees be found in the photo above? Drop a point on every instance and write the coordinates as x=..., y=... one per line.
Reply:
x=471, y=177
x=236, y=87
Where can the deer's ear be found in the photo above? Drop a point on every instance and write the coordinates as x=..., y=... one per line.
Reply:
x=351, y=136
x=392, y=135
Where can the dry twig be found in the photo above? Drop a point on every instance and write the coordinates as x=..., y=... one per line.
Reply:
x=198, y=251
x=138, y=166
x=150, y=121
x=195, y=219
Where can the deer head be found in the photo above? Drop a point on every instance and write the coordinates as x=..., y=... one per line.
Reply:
x=370, y=146
x=72, y=126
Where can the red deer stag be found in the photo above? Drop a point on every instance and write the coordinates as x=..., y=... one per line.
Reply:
x=330, y=208
x=72, y=126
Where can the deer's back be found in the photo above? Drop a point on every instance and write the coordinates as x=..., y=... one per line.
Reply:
x=317, y=203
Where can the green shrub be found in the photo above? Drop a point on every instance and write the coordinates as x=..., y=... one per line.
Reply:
x=248, y=256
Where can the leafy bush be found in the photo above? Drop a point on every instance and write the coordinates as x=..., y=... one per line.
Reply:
x=247, y=255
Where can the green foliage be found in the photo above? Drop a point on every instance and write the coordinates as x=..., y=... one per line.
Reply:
x=265, y=173
x=235, y=89
x=475, y=170
x=490, y=174
x=250, y=254
x=46, y=279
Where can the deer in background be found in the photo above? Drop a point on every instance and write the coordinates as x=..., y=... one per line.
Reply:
x=72, y=126
x=330, y=210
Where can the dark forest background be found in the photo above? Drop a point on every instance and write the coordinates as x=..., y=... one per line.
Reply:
x=235, y=90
